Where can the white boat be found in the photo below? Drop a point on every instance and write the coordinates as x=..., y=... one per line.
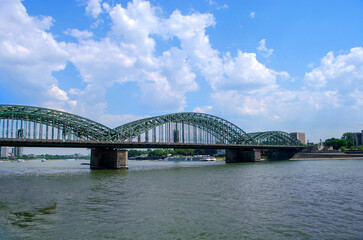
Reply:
x=204, y=158
x=43, y=160
x=20, y=160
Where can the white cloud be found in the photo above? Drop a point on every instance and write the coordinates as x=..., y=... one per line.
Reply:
x=174, y=67
x=79, y=34
x=93, y=8
x=128, y=54
x=190, y=30
x=238, y=104
x=29, y=54
x=103, y=62
x=244, y=72
x=263, y=50
x=279, y=105
x=133, y=26
x=240, y=86
x=113, y=121
x=343, y=72
x=205, y=109
x=252, y=14
x=157, y=94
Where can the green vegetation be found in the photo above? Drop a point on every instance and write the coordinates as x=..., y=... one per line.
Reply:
x=345, y=142
x=360, y=147
x=348, y=137
x=335, y=143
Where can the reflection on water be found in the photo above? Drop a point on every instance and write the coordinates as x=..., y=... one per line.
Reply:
x=165, y=200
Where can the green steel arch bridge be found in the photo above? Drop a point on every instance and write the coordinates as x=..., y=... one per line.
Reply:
x=41, y=127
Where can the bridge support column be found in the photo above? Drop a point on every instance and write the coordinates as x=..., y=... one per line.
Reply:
x=105, y=158
x=242, y=155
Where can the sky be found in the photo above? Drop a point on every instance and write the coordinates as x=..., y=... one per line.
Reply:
x=294, y=66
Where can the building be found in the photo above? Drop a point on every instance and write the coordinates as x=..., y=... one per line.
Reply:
x=299, y=136
x=4, y=151
x=18, y=151
x=358, y=139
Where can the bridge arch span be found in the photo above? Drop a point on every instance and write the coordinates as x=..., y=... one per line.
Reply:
x=43, y=123
x=29, y=122
x=273, y=138
x=219, y=129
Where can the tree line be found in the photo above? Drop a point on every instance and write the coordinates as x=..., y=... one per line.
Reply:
x=344, y=143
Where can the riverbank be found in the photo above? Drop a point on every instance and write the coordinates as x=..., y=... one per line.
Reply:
x=326, y=156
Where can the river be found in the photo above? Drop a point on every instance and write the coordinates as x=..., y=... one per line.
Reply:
x=166, y=200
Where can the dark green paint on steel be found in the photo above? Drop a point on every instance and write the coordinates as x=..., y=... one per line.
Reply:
x=84, y=128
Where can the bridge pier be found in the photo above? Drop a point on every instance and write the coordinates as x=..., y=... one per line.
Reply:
x=242, y=155
x=109, y=158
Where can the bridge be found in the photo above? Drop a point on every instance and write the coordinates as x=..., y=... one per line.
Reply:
x=41, y=127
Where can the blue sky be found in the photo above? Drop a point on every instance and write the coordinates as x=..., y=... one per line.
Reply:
x=263, y=65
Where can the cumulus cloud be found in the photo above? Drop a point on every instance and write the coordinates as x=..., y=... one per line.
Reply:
x=128, y=53
x=263, y=50
x=343, y=72
x=133, y=26
x=94, y=8
x=246, y=73
x=280, y=104
x=252, y=14
x=29, y=54
x=239, y=85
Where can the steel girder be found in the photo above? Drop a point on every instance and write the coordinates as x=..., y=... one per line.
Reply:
x=218, y=127
x=274, y=138
x=84, y=128
x=79, y=126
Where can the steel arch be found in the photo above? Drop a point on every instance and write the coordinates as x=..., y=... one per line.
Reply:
x=81, y=127
x=218, y=127
x=86, y=129
x=274, y=138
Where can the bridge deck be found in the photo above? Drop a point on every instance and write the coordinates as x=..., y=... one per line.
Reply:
x=106, y=144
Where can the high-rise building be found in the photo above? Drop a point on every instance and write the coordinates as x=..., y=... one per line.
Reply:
x=18, y=151
x=358, y=139
x=4, y=151
x=299, y=136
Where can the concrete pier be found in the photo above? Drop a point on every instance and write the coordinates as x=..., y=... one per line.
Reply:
x=242, y=155
x=109, y=158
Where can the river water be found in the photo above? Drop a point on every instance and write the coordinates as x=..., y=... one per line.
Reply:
x=164, y=200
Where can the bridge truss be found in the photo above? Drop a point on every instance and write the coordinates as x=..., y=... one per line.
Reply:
x=26, y=122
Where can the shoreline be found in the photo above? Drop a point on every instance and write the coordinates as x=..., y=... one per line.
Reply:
x=312, y=159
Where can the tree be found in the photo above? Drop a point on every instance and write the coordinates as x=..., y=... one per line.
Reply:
x=352, y=148
x=343, y=148
x=360, y=147
x=348, y=137
x=335, y=143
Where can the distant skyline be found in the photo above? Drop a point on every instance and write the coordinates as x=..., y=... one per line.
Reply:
x=294, y=66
